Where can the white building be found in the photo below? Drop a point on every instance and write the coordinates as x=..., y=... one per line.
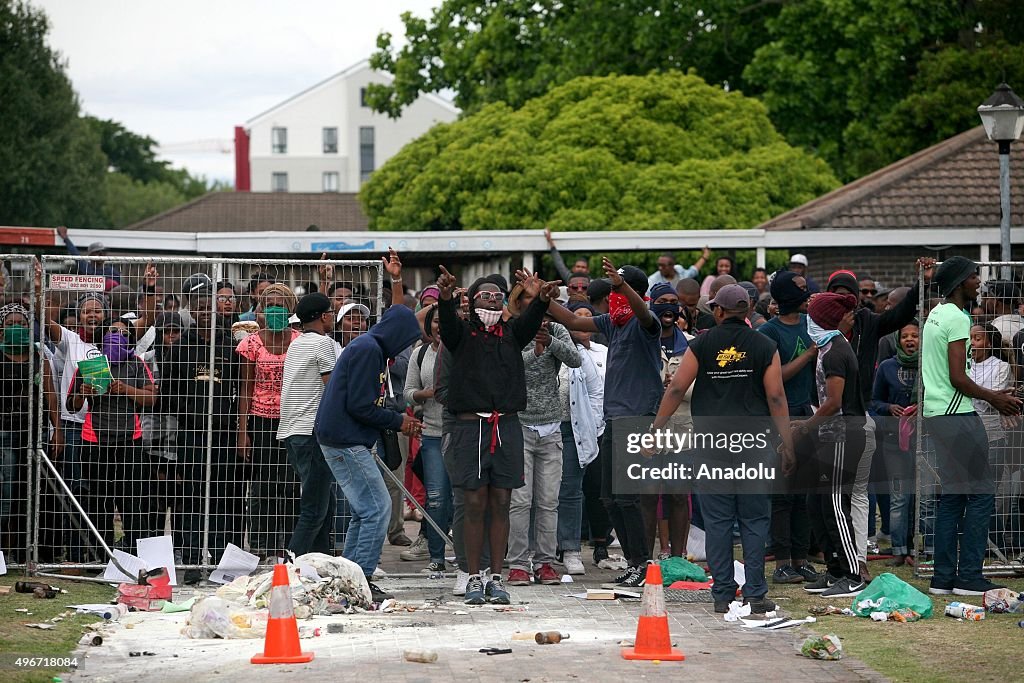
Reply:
x=326, y=139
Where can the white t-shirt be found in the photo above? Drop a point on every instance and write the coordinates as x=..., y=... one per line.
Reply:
x=309, y=358
x=991, y=373
x=72, y=349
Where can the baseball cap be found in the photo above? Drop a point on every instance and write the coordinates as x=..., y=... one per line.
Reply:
x=312, y=306
x=598, y=289
x=197, y=283
x=635, y=278
x=95, y=248
x=798, y=258
x=731, y=298
x=347, y=308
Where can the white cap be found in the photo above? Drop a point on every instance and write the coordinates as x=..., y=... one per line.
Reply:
x=347, y=308
x=798, y=258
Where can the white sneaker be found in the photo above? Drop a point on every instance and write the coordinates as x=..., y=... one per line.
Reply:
x=379, y=573
x=573, y=564
x=461, y=579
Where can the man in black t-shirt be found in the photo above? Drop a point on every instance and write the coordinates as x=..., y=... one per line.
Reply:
x=735, y=372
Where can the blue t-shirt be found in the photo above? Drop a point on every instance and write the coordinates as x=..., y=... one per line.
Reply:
x=632, y=381
x=793, y=340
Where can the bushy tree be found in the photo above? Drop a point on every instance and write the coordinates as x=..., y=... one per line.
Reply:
x=51, y=166
x=514, y=50
x=662, y=151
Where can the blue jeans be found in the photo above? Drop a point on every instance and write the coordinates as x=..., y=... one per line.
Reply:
x=899, y=465
x=967, y=500
x=439, y=494
x=753, y=512
x=570, y=494
x=356, y=472
x=312, y=532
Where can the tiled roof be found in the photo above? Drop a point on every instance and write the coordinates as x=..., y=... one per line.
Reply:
x=954, y=184
x=259, y=211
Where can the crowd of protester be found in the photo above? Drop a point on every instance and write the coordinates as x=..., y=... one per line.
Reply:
x=237, y=408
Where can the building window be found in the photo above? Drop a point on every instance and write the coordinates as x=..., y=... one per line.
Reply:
x=279, y=140
x=362, y=98
x=365, y=153
x=331, y=181
x=330, y=140
x=278, y=182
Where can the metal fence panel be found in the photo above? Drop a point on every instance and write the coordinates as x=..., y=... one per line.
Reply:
x=22, y=380
x=995, y=361
x=183, y=439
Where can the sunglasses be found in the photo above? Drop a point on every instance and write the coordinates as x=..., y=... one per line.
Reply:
x=578, y=288
x=871, y=292
x=490, y=296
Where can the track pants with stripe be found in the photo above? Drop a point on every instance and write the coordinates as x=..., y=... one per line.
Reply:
x=829, y=502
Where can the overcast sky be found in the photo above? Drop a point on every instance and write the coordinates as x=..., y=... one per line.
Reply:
x=191, y=70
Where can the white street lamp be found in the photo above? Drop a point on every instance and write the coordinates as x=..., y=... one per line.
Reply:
x=1002, y=114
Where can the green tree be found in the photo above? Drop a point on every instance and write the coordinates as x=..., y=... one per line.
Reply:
x=847, y=78
x=514, y=50
x=51, y=166
x=611, y=153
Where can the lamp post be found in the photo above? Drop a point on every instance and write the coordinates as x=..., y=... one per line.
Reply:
x=1002, y=114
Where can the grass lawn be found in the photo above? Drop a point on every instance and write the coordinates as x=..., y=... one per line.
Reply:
x=936, y=649
x=18, y=641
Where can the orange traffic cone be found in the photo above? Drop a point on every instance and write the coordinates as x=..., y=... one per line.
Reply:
x=282, y=643
x=652, y=637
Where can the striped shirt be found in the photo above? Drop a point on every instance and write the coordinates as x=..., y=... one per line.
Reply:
x=309, y=358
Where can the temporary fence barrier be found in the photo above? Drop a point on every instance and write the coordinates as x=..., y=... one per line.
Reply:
x=179, y=435
x=995, y=359
x=24, y=376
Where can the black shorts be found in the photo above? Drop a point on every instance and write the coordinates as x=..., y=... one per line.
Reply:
x=475, y=466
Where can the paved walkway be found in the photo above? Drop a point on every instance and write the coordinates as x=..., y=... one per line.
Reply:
x=372, y=644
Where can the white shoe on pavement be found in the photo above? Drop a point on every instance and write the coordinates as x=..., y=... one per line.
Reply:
x=573, y=563
x=379, y=573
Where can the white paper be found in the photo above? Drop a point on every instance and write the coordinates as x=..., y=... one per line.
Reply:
x=3, y=564
x=234, y=562
x=158, y=552
x=566, y=578
x=739, y=574
x=129, y=562
x=737, y=611
x=308, y=571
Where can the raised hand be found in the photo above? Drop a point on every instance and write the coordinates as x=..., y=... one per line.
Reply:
x=547, y=236
x=445, y=283
x=392, y=264
x=326, y=270
x=532, y=284
x=611, y=272
x=550, y=290
x=928, y=265
x=151, y=275
x=62, y=230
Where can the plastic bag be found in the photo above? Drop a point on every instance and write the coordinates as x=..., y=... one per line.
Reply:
x=888, y=593
x=1003, y=600
x=214, y=618
x=822, y=647
x=679, y=569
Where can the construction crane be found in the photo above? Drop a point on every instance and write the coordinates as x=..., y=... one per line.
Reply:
x=208, y=146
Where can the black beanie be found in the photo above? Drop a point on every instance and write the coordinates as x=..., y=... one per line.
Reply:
x=785, y=292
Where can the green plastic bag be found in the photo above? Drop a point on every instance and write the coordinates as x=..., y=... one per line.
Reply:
x=680, y=569
x=895, y=593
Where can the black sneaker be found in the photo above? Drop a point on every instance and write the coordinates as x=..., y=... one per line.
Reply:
x=495, y=591
x=475, y=590
x=786, y=574
x=722, y=606
x=759, y=605
x=600, y=552
x=979, y=587
x=808, y=571
x=377, y=595
x=845, y=588
x=824, y=582
x=636, y=579
x=940, y=588
x=434, y=568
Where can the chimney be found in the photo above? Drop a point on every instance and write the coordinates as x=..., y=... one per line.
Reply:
x=243, y=180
